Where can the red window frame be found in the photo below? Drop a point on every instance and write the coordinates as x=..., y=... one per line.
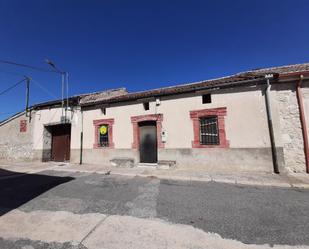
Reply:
x=220, y=113
x=97, y=123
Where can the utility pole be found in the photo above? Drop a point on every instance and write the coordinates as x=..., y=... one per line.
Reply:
x=67, y=90
x=27, y=94
x=64, y=82
x=64, y=85
x=62, y=94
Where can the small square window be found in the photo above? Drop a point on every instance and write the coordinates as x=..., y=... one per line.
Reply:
x=103, y=110
x=206, y=98
x=146, y=106
x=103, y=136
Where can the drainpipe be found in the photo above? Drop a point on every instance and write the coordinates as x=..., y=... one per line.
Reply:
x=303, y=120
x=81, y=138
x=270, y=124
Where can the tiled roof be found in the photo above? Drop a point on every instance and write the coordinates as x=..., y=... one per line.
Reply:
x=282, y=69
x=101, y=96
x=233, y=80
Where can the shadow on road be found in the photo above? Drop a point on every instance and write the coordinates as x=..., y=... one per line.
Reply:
x=17, y=189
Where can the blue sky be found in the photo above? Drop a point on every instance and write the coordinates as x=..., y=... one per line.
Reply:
x=144, y=44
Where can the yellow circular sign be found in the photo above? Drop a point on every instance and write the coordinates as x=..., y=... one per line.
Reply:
x=103, y=129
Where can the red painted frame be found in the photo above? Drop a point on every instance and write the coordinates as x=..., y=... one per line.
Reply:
x=23, y=126
x=151, y=117
x=97, y=123
x=220, y=113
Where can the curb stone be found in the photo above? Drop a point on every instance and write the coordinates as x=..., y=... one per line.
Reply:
x=199, y=179
x=287, y=181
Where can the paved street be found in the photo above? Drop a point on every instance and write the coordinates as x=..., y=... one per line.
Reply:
x=53, y=209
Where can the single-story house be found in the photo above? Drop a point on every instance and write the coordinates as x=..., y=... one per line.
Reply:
x=251, y=121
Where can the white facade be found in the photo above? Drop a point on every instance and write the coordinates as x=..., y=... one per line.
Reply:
x=246, y=129
x=245, y=125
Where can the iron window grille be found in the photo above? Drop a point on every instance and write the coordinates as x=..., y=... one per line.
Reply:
x=209, y=132
x=103, y=137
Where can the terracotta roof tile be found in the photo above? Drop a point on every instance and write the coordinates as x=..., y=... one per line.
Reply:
x=101, y=96
x=236, y=79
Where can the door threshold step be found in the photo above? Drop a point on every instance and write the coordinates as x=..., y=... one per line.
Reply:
x=164, y=164
x=60, y=163
x=147, y=165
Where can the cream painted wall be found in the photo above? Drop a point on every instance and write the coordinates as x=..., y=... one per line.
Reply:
x=246, y=123
x=122, y=129
x=50, y=116
x=76, y=128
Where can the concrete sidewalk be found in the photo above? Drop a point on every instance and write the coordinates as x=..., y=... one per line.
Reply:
x=246, y=178
x=62, y=229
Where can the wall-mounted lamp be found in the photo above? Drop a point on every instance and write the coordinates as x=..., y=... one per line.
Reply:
x=158, y=102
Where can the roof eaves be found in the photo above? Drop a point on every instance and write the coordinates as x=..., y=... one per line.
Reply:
x=54, y=103
x=186, y=88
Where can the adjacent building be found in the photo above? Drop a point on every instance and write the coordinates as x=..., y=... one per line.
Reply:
x=251, y=121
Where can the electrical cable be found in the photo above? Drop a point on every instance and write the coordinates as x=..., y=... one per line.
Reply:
x=44, y=89
x=11, y=87
x=27, y=66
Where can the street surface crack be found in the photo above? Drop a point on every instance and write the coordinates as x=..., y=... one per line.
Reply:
x=93, y=229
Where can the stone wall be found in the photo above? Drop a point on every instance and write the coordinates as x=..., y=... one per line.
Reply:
x=290, y=127
x=16, y=142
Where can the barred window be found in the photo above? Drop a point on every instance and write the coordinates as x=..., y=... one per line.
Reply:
x=103, y=136
x=209, y=133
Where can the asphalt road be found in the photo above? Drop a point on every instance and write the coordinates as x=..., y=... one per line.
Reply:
x=252, y=215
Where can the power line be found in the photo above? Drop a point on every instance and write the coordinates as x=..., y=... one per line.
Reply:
x=44, y=89
x=11, y=87
x=27, y=66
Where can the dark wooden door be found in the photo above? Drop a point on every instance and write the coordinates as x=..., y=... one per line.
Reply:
x=61, y=139
x=148, y=142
